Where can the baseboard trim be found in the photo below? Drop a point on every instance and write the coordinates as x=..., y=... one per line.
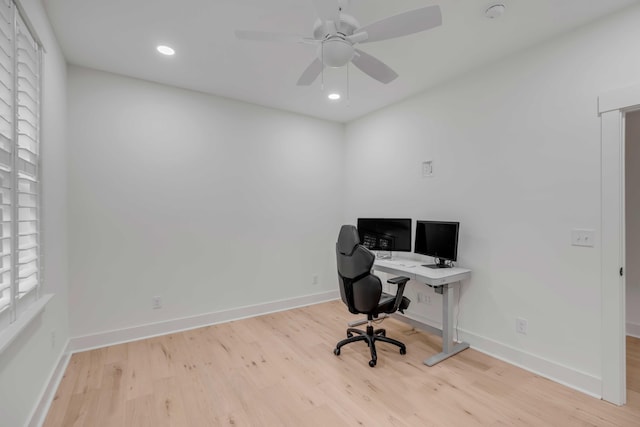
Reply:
x=49, y=391
x=546, y=368
x=103, y=339
x=572, y=378
x=633, y=329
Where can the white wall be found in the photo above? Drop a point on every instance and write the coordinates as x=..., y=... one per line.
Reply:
x=516, y=151
x=632, y=159
x=26, y=367
x=210, y=203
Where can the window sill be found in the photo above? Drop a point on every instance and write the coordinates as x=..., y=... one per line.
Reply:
x=11, y=332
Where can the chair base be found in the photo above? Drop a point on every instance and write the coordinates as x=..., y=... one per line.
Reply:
x=370, y=336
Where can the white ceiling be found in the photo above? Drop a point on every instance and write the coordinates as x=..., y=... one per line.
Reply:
x=120, y=36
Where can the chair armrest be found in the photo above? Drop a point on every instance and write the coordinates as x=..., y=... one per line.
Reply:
x=401, y=281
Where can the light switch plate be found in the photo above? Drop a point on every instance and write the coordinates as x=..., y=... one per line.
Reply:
x=427, y=168
x=583, y=238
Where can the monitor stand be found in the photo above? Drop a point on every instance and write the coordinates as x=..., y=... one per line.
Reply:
x=440, y=264
x=383, y=254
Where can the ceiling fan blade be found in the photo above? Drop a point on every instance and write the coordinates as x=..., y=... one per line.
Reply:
x=358, y=37
x=403, y=24
x=311, y=73
x=373, y=67
x=265, y=36
x=327, y=10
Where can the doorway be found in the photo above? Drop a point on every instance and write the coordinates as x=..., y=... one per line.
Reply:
x=632, y=248
x=613, y=107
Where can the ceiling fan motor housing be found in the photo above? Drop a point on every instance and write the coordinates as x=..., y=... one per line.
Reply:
x=347, y=26
x=335, y=51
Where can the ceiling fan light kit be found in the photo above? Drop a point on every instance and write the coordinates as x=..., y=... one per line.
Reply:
x=336, y=33
x=335, y=52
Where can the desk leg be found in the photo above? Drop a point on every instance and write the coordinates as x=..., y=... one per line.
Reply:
x=449, y=347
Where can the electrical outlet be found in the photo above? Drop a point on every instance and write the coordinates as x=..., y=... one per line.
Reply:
x=314, y=279
x=583, y=238
x=423, y=298
x=156, y=302
x=521, y=326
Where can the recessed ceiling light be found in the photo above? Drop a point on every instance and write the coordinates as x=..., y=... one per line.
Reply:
x=166, y=50
x=494, y=11
x=333, y=96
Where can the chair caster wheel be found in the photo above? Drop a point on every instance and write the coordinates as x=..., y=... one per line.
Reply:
x=403, y=351
x=372, y=363
x=336, y=351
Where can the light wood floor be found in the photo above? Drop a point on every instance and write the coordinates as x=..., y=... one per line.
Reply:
x=633, y=365
x=280, y=370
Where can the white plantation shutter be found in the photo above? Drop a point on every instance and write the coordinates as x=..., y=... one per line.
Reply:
x=19, y=165
x=27, y=189
x=7, y=82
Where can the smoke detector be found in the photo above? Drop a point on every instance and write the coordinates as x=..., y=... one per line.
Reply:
x=494, y=11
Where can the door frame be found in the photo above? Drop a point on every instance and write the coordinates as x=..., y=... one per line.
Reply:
x=612, y=107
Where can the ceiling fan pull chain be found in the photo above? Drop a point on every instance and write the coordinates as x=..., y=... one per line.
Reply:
x=322, y=59
x=348, y=88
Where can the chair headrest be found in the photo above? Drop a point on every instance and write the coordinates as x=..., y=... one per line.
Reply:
x=348, y=239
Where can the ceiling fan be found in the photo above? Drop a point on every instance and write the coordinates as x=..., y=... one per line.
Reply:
x=337, y=33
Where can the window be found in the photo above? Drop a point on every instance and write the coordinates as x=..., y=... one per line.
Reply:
x=20, y=260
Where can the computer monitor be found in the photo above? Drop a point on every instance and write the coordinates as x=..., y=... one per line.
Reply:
x=385, y=234
x=437, y=239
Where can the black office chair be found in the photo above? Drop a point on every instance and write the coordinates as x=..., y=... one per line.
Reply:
x=362, y=292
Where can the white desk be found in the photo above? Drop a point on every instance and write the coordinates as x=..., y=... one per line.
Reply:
x=443, y=280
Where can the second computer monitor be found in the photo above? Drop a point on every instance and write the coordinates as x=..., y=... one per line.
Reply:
x=385, y=234
x=437, y=239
